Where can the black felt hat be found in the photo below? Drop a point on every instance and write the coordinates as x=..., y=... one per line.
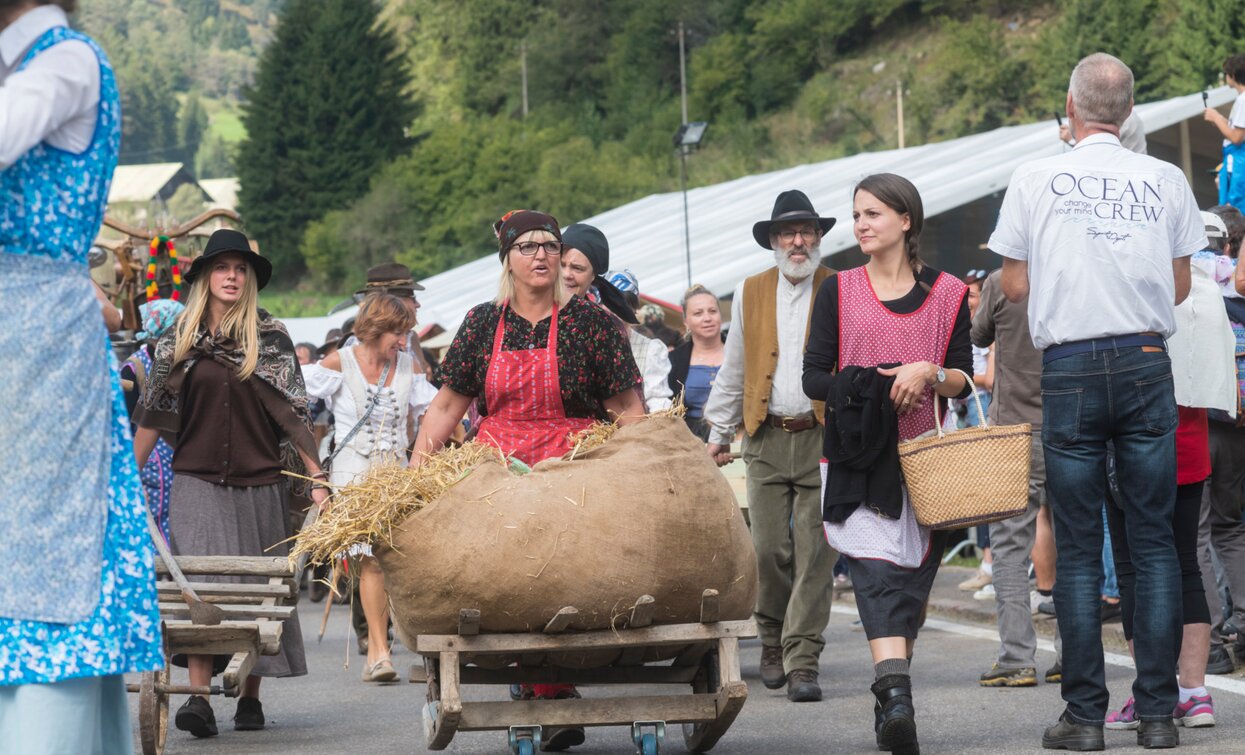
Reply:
x=229, y=241
x=790, y=205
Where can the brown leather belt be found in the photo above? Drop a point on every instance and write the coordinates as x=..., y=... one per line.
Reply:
x=792, y=424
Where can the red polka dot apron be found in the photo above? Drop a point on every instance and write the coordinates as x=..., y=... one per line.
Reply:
x=526, y=418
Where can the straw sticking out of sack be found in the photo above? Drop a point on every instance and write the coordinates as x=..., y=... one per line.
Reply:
x=367, y=511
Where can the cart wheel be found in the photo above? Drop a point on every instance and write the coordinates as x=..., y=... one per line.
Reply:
x=700, y=737
x=153, y=710
x=526, y=747
x=648, y=745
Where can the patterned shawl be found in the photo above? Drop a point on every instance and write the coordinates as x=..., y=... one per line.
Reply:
x=279, y=386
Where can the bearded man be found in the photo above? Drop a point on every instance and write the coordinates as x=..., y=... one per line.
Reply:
x=759, y=384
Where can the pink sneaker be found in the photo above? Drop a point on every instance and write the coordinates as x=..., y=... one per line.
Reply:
x=1124, y=718
x=1198, y=711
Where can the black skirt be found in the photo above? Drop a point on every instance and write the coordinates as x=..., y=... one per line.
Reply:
x=890, y=598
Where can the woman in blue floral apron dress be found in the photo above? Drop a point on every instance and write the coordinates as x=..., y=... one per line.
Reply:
x=158, y=316
x=78, y=601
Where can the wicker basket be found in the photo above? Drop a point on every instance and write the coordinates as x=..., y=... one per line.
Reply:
x=973, y=476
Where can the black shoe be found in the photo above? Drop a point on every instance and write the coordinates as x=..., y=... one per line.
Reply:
x=1158, y=735
x=249, y=716
x=196, y=717
x=894, y=715
x=1219, y=662
x=1047, y=607
x=1111, y=611
x=1054, y=674
x=558, y=740
x=802, y=686
x=772, y=674
x=1069, y=735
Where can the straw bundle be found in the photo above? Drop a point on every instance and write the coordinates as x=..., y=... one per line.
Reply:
x=366, y=511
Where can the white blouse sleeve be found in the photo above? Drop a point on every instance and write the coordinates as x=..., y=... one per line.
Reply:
x=321, y=381
x=422, y=394
x=657, y=393
x=54, y=98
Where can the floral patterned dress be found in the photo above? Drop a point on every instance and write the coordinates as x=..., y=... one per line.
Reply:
x=98, y=614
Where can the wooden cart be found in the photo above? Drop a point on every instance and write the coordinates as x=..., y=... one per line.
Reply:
x=708, y=662
x=254, y=615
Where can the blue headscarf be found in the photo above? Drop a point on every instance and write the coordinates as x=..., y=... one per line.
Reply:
x=158, y=316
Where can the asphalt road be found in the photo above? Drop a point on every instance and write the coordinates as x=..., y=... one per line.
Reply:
x=332, y=711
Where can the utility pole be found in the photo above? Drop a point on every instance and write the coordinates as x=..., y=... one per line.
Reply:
x=899, y=109
x=687, y=230
x=523, y=66
x=682, y=73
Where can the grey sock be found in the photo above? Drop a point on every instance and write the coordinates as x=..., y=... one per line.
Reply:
x=890, y=666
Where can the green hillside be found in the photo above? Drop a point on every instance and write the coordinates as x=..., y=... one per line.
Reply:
x=781, y=82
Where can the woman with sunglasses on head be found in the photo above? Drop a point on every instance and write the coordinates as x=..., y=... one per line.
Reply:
x=372, y=388
x=895, y=310
x=542, y=367
x=226, y=381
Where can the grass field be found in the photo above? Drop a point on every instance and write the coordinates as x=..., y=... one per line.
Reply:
x=298, y=303
x=226, y=120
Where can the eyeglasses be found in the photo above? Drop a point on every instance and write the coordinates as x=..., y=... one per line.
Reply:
x=789, y=234
x=528, y=248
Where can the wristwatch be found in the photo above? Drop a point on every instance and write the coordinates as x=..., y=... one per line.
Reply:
x=940, y=377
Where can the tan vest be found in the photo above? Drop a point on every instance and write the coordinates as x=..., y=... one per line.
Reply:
x=761, y=343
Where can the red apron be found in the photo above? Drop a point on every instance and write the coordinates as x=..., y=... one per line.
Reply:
x=521, y=391
x=526, y=419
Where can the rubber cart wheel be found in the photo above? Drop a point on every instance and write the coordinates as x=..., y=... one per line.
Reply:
x=648, y=745
x=526, y=747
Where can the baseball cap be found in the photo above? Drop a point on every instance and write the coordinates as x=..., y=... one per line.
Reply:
x=1215, y=227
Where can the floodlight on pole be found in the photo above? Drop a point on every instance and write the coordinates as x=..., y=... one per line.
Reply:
x=687, y=138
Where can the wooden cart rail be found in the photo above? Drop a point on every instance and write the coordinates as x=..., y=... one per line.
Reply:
x=233, y=566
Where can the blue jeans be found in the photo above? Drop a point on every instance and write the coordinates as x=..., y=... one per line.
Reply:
x=1110, y=585
x=1123, y=395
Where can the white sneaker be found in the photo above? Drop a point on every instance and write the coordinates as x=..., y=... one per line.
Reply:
x=1035, y=599
x=985, y=593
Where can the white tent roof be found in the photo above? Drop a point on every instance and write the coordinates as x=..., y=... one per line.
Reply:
x=222, y=191
x=139, y=183
x=646, y=236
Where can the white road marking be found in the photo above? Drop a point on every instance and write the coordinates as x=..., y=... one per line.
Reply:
x=1213, y=681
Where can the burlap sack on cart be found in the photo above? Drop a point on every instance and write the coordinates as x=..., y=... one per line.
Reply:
x=647, y=513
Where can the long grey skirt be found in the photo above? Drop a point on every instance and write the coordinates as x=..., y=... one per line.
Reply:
x=217, y=520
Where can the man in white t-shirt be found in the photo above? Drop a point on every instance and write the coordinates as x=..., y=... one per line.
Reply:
x=1233, y=130
x=1099, y=238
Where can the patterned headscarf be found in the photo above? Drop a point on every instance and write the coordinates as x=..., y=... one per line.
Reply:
x=158, y=316
x=518, y=222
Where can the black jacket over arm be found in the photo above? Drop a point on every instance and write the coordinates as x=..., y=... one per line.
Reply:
x=861, y=446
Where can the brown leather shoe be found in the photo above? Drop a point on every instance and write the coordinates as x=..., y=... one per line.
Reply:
x=772, y=674
x=802, y=686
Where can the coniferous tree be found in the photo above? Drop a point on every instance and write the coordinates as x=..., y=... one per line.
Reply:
x=328, y=108
x=192, y=124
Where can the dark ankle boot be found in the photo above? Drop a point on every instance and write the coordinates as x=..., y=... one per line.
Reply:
x=895, y=715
